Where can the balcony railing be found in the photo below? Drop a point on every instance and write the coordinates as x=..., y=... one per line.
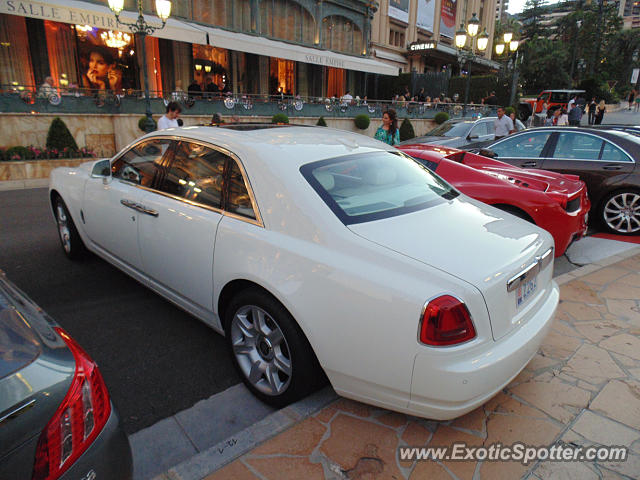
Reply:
x=28, y=99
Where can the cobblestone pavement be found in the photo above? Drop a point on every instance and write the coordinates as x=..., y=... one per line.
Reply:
x=583, y=387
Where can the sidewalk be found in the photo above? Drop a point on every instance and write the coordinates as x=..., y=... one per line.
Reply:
x=582, y=388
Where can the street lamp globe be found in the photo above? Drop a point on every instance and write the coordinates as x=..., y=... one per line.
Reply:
x=513, y=45
x=473, y=25
x=499, y=48
x=483, y=40
x=163, y=7
x=461, y=37
x=116, y=6
x=507, y=37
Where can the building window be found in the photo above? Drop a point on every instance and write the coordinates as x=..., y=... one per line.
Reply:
x=341, y=35
x=211, y=65
x=396, y=38
x=235, y=15
x=15, y=59
x=286, y=20
x=282, y=76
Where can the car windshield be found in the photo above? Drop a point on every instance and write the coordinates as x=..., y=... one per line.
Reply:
x=451, y=129
x=366, y=187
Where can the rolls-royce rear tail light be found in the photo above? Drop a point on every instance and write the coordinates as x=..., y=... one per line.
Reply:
x=78, y=420
x=446, y=321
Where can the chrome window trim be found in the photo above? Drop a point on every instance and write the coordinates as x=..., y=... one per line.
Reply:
x=631, y=160
x=257, y=221
x=508, y=137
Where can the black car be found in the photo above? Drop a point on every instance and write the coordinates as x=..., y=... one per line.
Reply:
x=605, y=159
x=56, y=418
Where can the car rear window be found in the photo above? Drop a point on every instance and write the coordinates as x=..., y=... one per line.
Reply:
x=366, y=187
x=19, y=345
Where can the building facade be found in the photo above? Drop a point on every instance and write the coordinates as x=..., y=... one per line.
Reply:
x=264, y=47
x=501, y=9
x=418, y=35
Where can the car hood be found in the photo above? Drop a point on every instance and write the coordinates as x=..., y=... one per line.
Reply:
x=472, y=241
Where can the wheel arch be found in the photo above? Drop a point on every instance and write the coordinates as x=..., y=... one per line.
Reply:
x=514, y=210
x=606, y=196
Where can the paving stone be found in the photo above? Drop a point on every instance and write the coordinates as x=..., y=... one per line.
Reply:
x=351, y=406
x=505, y=404
x=354, y=439
x=619, y=290
x=508, y=430
x=580, y=312
x=593, y=364
x=580, y=292
x=393, y=419
x=605, y=275
x=597, y=331
x=631, y=279
x=620, y=401
x=635, y=373
x=473, y=420
x=630, y=467
x=538, y=362
x=429, y=470
x=559, y=346
x=623, y=344
x=236, y=470
x=603, y=430
x=563, y=328
x=301, y=439
x=566, y=471
x=447, y=436
x=327, y=413
x=624, y=360
x=555, y=397
x=609, y=475
x=416, y=435
x=624, y=309
x=286, y=468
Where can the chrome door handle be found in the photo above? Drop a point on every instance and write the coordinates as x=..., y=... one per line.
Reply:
x=611, y=167
x=148, y=211
x=129, y=204
x=529, y=164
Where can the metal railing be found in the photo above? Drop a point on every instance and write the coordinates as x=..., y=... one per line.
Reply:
x=29, y=99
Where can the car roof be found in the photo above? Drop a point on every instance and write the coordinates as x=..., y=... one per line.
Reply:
x=564, y=91
x=303, y=144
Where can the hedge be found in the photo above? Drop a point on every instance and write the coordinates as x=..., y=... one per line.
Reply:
x=279, y=118
x=362, y=121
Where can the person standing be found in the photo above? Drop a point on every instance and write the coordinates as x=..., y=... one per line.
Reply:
x=388, y=132
x=632, y=96
x=46, y=88
x=600, y=112
x=561, y=118
x=503, y=125
x=575, y=115
x=170, y=119
x=593, y=106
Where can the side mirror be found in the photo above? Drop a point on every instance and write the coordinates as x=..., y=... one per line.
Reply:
x=102, y=169
x=486, y=152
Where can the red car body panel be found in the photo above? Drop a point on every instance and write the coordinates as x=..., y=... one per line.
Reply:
x=555, y=202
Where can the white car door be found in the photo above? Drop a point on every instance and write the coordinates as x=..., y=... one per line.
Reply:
x=111, y=208
x=178, y=238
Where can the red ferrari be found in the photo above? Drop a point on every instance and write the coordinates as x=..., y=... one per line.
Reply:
x=553, y=201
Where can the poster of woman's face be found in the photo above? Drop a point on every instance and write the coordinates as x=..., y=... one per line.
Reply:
x=104, y=68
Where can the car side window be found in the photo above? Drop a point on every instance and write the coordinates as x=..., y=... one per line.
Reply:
x=611, y=153
x=238, y=200
x=196, y=173
x=143, y=163
x=577, y=146
x=478, y=130
x=528, y=145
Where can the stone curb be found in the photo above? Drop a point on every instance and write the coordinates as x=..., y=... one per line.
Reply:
x=207, y=462
x=6, y=185
x=214, y=458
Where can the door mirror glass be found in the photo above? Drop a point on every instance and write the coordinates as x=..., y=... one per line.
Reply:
x=101, y=169
x=486, y=152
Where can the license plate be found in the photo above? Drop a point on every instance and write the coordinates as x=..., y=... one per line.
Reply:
x=524, y=291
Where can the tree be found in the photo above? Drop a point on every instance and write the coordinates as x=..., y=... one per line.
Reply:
x=531, y=18
x=544, y=66
x=59, y=136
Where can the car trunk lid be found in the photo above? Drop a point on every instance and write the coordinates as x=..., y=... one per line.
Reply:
x=491, y=249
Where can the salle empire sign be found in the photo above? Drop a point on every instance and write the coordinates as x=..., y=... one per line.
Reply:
x=322, y=60
x=60, y=14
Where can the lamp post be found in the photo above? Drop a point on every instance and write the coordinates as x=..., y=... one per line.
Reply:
x=509, y=47
x=141, y=29
x=465, y=56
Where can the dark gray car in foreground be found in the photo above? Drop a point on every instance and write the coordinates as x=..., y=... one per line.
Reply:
x=56, y=418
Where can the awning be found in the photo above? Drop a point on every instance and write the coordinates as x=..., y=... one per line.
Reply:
x=100, y=16
x=243, y=42
x=477, y=59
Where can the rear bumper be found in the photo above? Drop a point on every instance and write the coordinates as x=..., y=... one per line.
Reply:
x=443, y=390
x=109, y=457
x=565, y=227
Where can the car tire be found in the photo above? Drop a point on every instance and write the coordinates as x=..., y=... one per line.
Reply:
x=619, y=212
x=70, y=240
x=269, y=350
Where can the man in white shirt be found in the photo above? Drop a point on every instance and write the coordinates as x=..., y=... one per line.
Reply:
x=170, y=119
x=503, y=125
x=571, y=103
x=346, y=99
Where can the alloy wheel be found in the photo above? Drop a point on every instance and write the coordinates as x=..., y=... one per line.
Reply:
x=261, y=350
x=63, y=228
x=622, y=212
